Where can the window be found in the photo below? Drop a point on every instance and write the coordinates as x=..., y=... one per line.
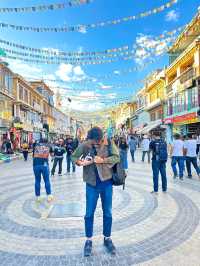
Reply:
x=26, y=96
x=21, y=93
x=160, y=114
x=192, y=98
x=153, y=116
x=39, y=89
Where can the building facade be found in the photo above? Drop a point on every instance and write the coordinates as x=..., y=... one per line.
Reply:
x=155, y=91
x=183, y=83
x=7, y=98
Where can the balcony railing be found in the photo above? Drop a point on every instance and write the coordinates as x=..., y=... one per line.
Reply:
x=169, y=88
x=187, y=75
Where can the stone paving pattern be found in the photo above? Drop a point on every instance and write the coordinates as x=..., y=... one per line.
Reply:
x=147, y=229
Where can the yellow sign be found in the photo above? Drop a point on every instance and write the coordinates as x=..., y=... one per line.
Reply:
x=7, y=115
x=18, y=125
x=191, y=121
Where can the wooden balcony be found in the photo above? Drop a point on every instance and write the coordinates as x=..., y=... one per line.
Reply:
x=189, y=74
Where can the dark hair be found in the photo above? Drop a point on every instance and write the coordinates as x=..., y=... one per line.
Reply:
x=189, y=136
x=132, y=137
x=95, y=134
x=177, y=136
x=157, y=134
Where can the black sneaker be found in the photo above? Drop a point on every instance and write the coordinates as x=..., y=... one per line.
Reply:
x=189, y=176
x=175, y=176
x=109, y=246
x=88, y=248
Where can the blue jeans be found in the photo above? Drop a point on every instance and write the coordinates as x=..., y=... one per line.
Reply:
x=41, y=170
x=180, y=161
x=143, y=155
x=189, y=161
x=92, y=195
x=132, y=155
x=124, y=159
x=159, y=167
x=69, y=162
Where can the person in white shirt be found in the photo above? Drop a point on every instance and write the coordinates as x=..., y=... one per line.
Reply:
x=198, y=143
x=177, y=154
x=145, y=148
x=190, y=147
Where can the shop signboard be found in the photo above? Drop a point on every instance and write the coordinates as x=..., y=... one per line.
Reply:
x=183, y=119
x=18, y=125
x=186, y=119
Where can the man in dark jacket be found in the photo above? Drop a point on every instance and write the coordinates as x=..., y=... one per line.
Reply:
x=57, y=152
x=71, y=145
x=159, y=158
x=93, y=155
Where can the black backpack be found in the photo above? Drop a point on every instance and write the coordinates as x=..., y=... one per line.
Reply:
x=161, y=151
x=118, y=173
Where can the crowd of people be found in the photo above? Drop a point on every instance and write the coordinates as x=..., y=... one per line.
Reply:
x=98, y=155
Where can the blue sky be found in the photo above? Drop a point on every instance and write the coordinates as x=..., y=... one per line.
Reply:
x=94, y=40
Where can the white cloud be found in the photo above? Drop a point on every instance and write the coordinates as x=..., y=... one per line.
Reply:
x=78, y=71
x=70, y=73
x=103, y=86
x=117, y=72
x=172, y=15
x=148, y=47
x=24, y=69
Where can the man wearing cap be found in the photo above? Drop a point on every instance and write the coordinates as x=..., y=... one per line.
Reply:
x=97, y=173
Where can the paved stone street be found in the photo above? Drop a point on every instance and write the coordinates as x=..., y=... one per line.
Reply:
x=147, y=230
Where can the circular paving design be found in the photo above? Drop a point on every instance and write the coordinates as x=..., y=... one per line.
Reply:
x=144, y=226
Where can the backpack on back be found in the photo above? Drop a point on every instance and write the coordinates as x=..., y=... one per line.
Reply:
x=119, y=174
x=161, y=151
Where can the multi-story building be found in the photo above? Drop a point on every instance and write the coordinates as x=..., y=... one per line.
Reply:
x=48, y=119
x=27, y=111
x=141, y=117
x=155, y=91
x=62, y=123
x=7, y=97
x=183, y=82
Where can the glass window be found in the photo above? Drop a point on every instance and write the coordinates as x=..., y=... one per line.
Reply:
x=21, y=93
x=153, y=116
x=25, y=95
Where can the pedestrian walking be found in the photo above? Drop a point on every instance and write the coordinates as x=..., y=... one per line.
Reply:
x=145, y=148
x=198, y=143
x=57, y=153
x=123, y=151
x=70, y=148
x=177, y=154
x=25, y=149
x=159, y=158
x=190, y=147
x=93, y=155
x=41, y=168
x=132, y=146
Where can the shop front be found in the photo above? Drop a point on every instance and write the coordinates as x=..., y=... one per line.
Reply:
x=4, y=130
x=183, y=124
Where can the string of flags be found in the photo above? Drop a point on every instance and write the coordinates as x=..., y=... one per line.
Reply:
x=91, y=80
x=56, y=52
x=41, y=59
x=49, y=7
x=85, y=27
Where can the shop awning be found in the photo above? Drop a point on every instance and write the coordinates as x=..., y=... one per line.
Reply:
x=150, y=127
